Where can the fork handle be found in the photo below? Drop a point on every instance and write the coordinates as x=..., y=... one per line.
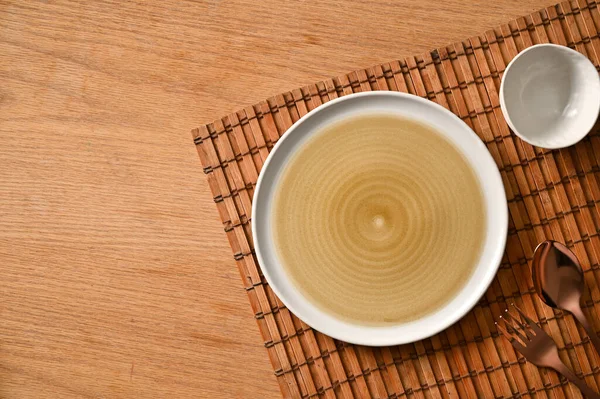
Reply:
x=585, y=390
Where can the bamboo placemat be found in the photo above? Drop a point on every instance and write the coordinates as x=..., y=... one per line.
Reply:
x=551, y=195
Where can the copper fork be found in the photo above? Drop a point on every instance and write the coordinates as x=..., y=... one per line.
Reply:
x=537, y=347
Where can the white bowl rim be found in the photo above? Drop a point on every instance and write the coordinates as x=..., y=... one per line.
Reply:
x=576, y=138
x=375, y=340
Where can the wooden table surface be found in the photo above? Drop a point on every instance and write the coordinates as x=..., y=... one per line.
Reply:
x=116, y=279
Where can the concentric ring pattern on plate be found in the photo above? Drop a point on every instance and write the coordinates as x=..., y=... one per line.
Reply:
x=379, y=219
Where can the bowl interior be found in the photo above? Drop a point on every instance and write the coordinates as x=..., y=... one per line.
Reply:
x=402, y=105
x=550, y=95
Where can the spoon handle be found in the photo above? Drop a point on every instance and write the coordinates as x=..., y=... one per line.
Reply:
x=585, y=390
x=580, y=316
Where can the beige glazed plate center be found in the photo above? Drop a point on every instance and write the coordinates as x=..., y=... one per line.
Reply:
x=388, y=216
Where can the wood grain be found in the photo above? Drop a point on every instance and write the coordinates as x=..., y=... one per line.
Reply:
x=116, y=279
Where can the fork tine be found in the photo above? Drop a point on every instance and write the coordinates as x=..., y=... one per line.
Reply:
x=519, y=347
x=511, y=321
x=512, y=318
x=502, y=329
x=513, y=341
x=511, y=333
x=534, y=326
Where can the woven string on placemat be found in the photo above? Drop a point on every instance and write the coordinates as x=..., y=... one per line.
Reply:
x=551, y=195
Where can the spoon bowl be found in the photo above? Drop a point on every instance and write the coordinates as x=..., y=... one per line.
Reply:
x=557, y=275
x=558, y=279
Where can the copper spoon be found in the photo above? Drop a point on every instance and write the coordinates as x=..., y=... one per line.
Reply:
x=558, y=279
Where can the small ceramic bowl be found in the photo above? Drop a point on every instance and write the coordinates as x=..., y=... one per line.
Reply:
x=550, y=95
